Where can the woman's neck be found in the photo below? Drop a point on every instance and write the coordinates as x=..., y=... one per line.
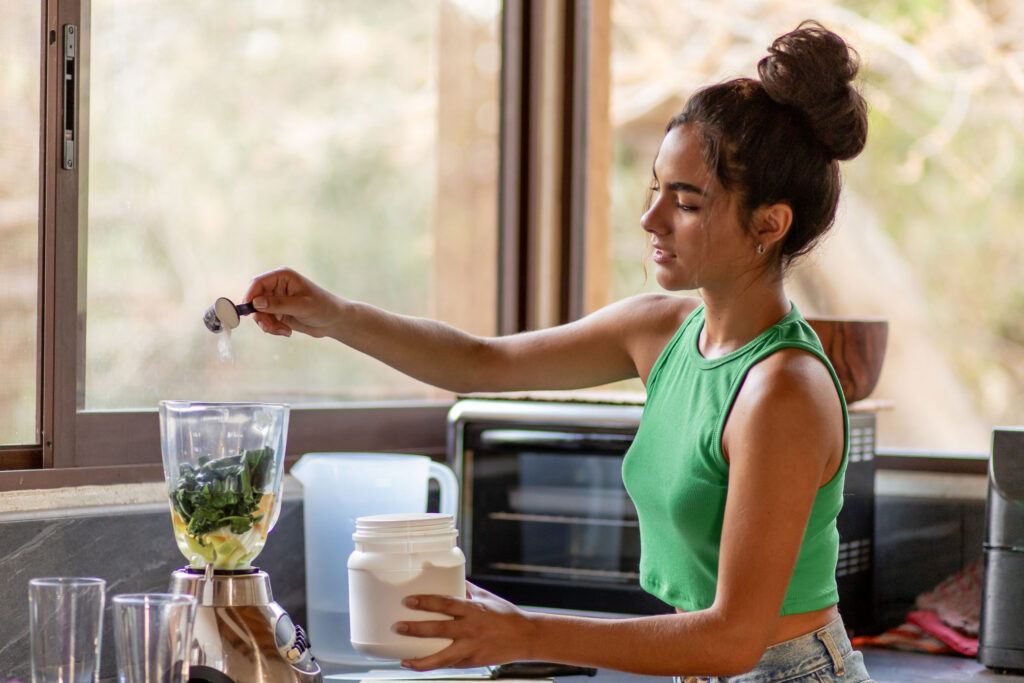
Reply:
x=731, y=320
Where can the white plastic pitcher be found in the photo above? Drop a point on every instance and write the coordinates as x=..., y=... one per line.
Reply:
x=338, y=488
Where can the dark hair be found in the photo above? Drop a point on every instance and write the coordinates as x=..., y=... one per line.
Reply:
x=780, y=139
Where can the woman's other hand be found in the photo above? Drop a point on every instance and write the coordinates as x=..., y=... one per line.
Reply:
x=286, y=301
x=484, y=630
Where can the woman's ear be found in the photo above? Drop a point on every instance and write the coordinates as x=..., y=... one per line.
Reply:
x=772, y=223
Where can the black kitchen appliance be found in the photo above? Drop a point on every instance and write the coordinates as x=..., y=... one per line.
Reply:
x=545, y=520
x=1001, y=638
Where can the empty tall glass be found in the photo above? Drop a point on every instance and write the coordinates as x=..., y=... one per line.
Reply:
x=65, y=629
x=152, y=637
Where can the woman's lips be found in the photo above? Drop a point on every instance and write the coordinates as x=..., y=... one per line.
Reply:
x=660, y=256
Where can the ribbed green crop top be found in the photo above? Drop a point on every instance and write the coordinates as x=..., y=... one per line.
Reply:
x=677, y=476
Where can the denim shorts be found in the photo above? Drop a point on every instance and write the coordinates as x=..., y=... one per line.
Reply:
x=824, y=655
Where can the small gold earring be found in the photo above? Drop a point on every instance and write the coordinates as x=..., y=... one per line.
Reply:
x=760, y=248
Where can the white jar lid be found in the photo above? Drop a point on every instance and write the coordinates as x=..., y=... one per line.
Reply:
x=405, y=523
x=415, y=528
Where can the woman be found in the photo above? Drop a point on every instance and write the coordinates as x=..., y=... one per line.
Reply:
x=738, y=464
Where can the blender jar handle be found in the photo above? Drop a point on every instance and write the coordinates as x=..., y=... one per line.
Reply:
x=449, y=488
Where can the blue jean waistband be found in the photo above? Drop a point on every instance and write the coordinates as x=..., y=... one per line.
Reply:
x=801, y=655
x=795, y=658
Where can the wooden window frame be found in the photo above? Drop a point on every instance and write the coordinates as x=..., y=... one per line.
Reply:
x=554, y=159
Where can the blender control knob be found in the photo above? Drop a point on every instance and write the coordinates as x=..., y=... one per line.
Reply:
x=293, y=644
x=301, y=644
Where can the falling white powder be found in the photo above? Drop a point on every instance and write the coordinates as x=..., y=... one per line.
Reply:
x=224, y=345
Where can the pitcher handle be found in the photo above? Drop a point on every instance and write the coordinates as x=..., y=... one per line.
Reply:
x=449, y=488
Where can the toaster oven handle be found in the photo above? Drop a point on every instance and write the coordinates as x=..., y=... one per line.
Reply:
x=562, y=441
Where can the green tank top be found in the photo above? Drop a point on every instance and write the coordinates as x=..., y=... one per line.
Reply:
x=677, y=476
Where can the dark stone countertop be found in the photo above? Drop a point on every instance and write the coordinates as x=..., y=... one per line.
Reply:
x=885, y=666
x=894, y=666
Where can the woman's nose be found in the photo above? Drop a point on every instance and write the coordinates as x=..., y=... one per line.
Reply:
x=650, y=220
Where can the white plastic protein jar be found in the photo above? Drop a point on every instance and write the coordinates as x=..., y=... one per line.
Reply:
x=395, y=556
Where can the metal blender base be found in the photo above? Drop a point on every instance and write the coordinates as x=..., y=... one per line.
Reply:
x=241, y=635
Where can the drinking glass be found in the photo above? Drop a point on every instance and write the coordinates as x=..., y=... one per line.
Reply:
x=65, y=628
x=153, y=636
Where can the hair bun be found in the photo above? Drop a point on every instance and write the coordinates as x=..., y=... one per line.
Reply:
x=812, y=70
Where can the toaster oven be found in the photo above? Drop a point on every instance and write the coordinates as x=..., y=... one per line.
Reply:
x=545, y=519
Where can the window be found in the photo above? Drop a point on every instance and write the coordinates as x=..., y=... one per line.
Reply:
x=356, y=142
x=18, y=232
x=19, y=218
x=928, y=236
x=479, y=161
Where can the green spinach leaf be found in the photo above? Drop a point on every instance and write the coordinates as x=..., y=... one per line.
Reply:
x=223, y=492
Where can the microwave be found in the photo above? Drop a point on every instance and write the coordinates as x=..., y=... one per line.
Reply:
x=545, y=520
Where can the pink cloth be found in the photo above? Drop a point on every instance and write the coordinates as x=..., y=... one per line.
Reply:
x=957, y=600
x=946, y=619
x=904, y=637
x=930, y=623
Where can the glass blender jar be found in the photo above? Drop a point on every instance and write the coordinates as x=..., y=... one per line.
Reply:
x=224, y=465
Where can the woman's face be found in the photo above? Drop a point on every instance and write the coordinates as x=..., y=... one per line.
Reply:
x=695, y=231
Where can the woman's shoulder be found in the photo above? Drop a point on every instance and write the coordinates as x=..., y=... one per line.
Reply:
x=653, y=318
x=650, y=322
x=661, y=310
x=792, y=367
x=791, y=391
x=793, y=377
x=643, y=316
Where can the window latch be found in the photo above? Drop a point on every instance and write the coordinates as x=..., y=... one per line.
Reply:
x=70, y=74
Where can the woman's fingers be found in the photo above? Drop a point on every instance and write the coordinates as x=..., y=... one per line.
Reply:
x=277, y=281
x=446, y=658
x=446, y=628
x=265, y=292
x=455, y=656
x=433, y=628
x=274, y=327
x=426, y=629
x=287, y=302
x=297, y=305
x=443, y=604
x=274, y=324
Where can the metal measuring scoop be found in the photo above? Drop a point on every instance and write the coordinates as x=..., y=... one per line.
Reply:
x=225, y=315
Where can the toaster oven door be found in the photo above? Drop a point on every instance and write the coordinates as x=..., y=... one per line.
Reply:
x=548, y=519
x=545, y=520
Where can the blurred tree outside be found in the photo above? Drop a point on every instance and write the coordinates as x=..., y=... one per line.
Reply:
x=928, y=235
x=304, y=134
x=19, y=219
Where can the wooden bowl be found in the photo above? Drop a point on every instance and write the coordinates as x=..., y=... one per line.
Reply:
x=856, y=348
